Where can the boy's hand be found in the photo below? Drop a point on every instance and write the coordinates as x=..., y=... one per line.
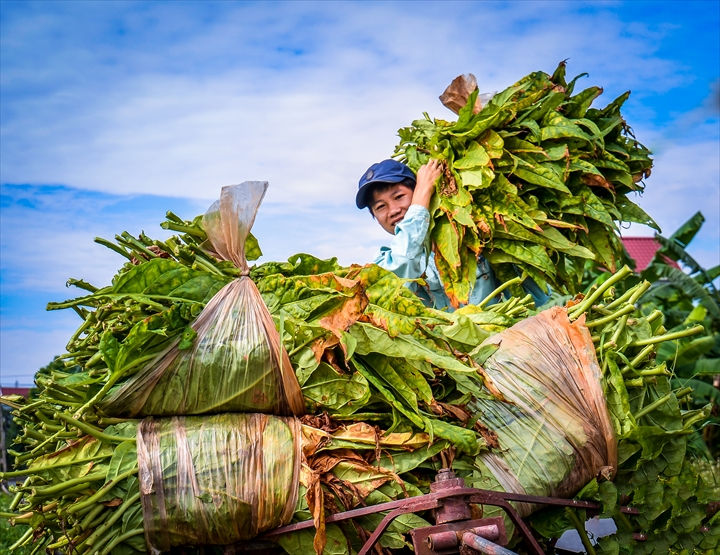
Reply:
x=427, y=175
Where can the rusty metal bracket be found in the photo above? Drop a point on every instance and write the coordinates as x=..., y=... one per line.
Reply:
x=451, y=501
x=443, y=539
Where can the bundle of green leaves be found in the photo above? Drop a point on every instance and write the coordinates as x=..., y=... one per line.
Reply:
x=365, y=350
x=85, y=497
x=537, y=182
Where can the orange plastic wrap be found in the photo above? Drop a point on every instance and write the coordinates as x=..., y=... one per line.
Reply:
x=553, y=427
x=237, y=362
x=216, y=480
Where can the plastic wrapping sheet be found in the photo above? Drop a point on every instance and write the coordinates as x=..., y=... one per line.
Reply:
x=216, y=480
x=237, y=362
x=553, y=426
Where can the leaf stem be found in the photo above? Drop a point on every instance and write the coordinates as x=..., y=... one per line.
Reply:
x=577, y=523
x=661, y=401
x=638, y=359
x=113, y=246
x=100, y=533
x=627, y=309
x=575, y=311
x=182, y=228
x=91, y=430
x=668, y=336
x=500, y=289
x=121, y=538
x=58, y=488
x=102, y=491
x=26, y=536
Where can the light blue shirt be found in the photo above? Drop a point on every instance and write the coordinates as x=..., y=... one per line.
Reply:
x=406, y=258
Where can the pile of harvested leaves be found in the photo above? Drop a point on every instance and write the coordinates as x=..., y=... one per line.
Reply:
x=394, y=391
x=536, y=181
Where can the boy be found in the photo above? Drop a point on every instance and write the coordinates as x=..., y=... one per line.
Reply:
x=399, y=201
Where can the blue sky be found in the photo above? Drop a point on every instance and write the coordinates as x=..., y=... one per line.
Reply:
x=112, y=113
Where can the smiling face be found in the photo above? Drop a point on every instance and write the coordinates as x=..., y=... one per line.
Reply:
x=389, y=204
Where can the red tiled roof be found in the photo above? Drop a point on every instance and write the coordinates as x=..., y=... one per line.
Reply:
x=24, y=391
x=642, y=250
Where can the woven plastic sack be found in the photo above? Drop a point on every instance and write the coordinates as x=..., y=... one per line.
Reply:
x=216, y=480
x=553, y=427
x=237, y=362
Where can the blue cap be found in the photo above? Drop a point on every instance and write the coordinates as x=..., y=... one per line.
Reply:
x=387, y=171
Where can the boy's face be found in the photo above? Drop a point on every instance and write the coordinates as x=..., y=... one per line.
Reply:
x=389, y=205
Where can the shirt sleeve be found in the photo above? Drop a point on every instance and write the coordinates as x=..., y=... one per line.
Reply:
x=405, y=256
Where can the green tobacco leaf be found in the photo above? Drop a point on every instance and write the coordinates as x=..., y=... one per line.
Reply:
x=603, y=245
x=529, y=253
x=621, y=179
x=559, y=242
x=109, y=349
x=375, y=377
x=384, y=367
x=550, y=237
x=558, y=152
x=578, y=164
x=557, y=126
x=614, y=106
x=507, y=202
x=301, y=542
x=337, y=393
x=595, y=132
x=543, y=175
x=492, y=142
x=475, y=179
x=252, y=248
x=610, y=162
x=464, y=329
x=515, y=145
x=72, y=463
x=533, y=127
x=593, y=207
x=463, y=439
x=414, y=379
x=607, y=125
x=617, y=399
x=446, y=238
x=577, y=105
x=124, y=458
x=372, y=340
x=631, y=212
x=475, y=157
x=140, y=277
x=547, y=105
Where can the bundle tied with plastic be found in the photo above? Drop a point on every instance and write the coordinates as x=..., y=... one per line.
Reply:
x=216, y=480
x=236, y=362
x=550, y=416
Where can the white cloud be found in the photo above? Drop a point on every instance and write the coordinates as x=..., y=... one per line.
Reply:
x=149, y=98
x=307, y=125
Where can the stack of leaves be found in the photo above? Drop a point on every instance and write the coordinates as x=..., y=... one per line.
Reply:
x=365, y=350
x=536, y=181
x=671, y=491
x=86, y=497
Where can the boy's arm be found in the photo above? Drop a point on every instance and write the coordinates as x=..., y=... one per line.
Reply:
x=405, y=256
